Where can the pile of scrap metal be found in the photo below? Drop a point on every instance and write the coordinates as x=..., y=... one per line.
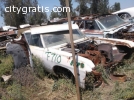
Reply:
x=6, y=34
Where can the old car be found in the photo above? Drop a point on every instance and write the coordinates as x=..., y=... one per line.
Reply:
x=51, y=44
x=126, y=14
x=108, y=29
x=5, y=33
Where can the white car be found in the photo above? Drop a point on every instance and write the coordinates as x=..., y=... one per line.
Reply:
x=126, y=14
x=49, y=44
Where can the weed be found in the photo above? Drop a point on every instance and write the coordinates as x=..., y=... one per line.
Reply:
x=6, y=65
x=14, y=92
x=38, y=68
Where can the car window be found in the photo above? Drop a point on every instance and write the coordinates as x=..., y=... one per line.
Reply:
x=35, y=40
x=91, y=25
x=27, y=36
x=60, y=37
x=111, y=21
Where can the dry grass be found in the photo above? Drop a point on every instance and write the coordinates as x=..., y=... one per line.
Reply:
x=39, y=85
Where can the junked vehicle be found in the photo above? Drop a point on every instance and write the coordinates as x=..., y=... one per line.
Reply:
x=127, y=15
x=5, y=33
x=51, y=44
x=108, y=29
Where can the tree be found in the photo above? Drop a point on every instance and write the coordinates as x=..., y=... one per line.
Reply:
x=15, y=18
x=82, y=8
x=54, y=15
x=37, y=17
x=103, y=7
x=94, y=6
x=115, y=7
x=12, y=18
x=73, y=13
x=99, y=6
x=63, y=4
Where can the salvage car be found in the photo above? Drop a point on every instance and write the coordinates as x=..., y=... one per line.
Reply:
x=51, y=44
x=126, y=14
x=108, y=29
x=5, y=33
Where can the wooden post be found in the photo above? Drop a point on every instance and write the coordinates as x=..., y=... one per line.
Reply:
x=73, y=51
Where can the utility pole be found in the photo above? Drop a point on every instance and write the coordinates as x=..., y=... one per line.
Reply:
x=73, y=52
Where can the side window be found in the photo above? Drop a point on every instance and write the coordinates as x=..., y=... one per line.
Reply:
x=96, y=26
x=91, y=25
x=27, y=36
x=35, y=40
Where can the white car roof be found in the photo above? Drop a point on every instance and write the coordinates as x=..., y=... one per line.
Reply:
x=6, y=28
x=52, y=28
x=128, y=10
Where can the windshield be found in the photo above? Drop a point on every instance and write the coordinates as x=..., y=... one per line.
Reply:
x=111, y=21
x=57, y=38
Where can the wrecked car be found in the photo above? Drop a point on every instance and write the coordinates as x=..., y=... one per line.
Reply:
x=5, y=36
x=51, y=44
x=108, y=29
x=126, y=14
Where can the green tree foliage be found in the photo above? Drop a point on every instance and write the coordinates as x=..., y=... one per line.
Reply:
x=37, y=17
x=74, y=13
x=95, y=6
x=82, y=8
x=99, y=6
x=12, y=18
x=103, y=7
x=54, y=15
x=15, y=18
x=115, y=7
x=63, y=4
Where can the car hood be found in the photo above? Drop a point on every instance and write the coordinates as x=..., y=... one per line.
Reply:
x=127, y=43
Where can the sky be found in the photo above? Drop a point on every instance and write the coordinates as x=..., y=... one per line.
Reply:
x=54, y=3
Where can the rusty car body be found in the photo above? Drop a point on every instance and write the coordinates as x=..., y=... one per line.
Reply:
x=51, y=45
x=5, y=36
x=108, y=29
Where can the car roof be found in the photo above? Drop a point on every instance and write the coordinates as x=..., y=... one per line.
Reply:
x=127, y=10
x=52, y=28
